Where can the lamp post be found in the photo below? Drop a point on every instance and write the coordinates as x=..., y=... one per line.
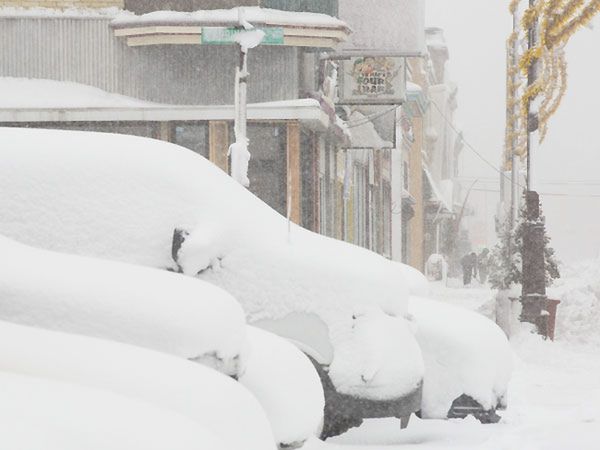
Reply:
x=248, y=38
x=533, y=294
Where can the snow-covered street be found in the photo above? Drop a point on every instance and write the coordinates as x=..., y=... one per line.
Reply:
x=554, y=400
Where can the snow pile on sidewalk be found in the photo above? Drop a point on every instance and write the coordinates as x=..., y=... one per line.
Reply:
x=121, y=197
x=40, y=414
x=215, y=401
x=135, y=305
x=578, y=314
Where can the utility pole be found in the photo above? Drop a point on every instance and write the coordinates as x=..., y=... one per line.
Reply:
x=533, y=295
x=247, y=38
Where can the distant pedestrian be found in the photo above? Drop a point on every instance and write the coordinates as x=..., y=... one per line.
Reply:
x=469, y=267
x=483, y=265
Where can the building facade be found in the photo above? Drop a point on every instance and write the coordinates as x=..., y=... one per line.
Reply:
x=376, y=172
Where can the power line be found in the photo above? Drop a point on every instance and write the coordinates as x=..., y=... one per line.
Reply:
x=548, y=194
x=470, y=147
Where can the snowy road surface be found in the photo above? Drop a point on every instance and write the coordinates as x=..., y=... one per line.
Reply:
x=554, y=402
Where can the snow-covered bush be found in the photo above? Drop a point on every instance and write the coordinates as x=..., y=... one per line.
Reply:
x=507, y=255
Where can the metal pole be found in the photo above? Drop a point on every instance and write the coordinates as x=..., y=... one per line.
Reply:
x=533, y=295
x=513, y=127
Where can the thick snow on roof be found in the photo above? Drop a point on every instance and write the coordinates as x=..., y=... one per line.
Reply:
x=41, y=93
x=68, y=13
x=121, y=197
x=287, y=386
x=214, y=401
x=40, y=414
x=36, y=93
x=135, y=305
x=230, y=17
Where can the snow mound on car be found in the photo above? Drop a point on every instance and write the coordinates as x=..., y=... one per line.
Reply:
x=287, y=386
x=135, y=305
x=464, y=353
x=122, y=197
x=40, y=414
x=213, y=400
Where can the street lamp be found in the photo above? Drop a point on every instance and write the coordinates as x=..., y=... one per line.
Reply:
x=246, y=39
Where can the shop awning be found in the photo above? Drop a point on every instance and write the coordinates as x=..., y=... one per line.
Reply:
x=34, y=100
x=442, y=196
x=363, y=133
x=290, y=28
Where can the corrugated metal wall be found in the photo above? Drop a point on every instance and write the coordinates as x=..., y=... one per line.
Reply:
x=85, y=51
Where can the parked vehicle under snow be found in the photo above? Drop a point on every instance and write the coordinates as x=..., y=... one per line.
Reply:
x=122, y=198
x=214, y=401
x=166, y=312
x=41, y=414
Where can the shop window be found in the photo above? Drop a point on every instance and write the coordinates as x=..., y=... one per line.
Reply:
x=267, y=170
x=192, y=135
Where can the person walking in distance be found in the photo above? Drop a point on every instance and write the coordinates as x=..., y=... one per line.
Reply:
x=469, y=267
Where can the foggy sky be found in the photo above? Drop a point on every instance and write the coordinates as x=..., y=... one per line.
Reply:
x=568, y=162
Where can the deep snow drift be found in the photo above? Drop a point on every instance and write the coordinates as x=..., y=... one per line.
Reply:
x=578, y=317
x=162, y=311
x=554, y=393
x=135, y=305
x=40, y=414
x=211, y=399
x=121, y=197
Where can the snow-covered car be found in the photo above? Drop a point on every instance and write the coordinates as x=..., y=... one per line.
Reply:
x=157, y=204
x=166, y=312
x=214, y=401
x=42, y=414
x=468, y=360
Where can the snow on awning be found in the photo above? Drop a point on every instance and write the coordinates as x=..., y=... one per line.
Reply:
x=302, y=29
x=38, y=100
x=363, y=133
x=439, y=194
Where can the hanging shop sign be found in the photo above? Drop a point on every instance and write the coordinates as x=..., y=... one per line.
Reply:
x=378, y=80
x=226, y=35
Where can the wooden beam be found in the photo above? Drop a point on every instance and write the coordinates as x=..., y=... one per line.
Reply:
x=294, y=182
x=163, y=29
x=218, y=144
x=160, y=39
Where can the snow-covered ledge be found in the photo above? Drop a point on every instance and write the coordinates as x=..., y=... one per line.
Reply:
x=34, y=100
x=300, y=29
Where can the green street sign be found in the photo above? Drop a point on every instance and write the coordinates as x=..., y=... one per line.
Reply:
x=222, y=35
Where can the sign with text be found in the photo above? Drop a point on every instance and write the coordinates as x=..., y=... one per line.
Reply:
x=379, y=80
x=223, y=35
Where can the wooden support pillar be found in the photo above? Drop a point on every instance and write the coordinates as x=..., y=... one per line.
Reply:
x=218, y=143
x=294, y=182
x=165, y=131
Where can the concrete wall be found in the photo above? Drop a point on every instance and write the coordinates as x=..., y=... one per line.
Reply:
x=144, y=6
x=90, y=54
x=61, y=4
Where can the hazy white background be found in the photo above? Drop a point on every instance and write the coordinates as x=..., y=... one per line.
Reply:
x=569, y=160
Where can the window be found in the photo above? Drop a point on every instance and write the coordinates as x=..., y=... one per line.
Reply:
x=192, y=135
